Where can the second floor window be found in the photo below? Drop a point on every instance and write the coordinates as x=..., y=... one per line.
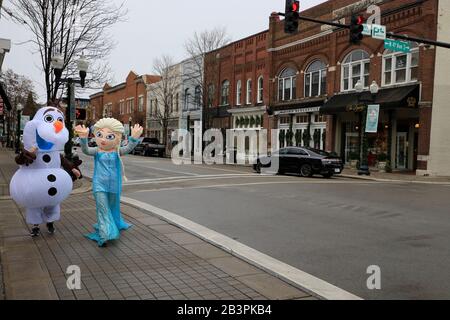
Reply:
x=141, y=104
x=225, y=93
x=356, y=67
x=401, y=67
x=186, y=99
x=198, y=96
x=287, y=85
x=316, y=79
x=260, y=89
x=249, y=92
x=238, y=93
x=210, y=95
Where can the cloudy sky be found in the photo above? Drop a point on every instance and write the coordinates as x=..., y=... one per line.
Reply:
x=152, y=28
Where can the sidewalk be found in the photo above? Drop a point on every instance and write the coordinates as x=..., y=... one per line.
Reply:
x=152, y=260
x=395, y=177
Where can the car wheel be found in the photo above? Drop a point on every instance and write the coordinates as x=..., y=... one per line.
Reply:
x=306, y=171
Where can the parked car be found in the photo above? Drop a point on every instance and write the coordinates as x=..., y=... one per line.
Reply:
x=304, y=161
x=150, y=146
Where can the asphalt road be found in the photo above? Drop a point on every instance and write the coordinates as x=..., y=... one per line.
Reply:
x=333, y=229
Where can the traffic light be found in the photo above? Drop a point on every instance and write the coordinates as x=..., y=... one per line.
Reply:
x=80, y=114
x=291, y=16
x=356, y=29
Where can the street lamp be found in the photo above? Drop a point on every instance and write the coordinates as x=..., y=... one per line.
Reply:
x=19, y=108
x=363, y=162
x=57, y=64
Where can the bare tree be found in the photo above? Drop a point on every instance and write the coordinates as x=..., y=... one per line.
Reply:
x=164, y=92
x=71, y=28
x=18, y=87
x=197, y=48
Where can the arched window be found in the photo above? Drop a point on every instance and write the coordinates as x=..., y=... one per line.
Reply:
x=239, y=92
x=197, y=96
x=316, y=79
x=400, y=67
x=186, y=99
x=225, y=92
x=356, y=67
x=260, y=89
x=287, y=85
x=249, y=91
x=210, y=95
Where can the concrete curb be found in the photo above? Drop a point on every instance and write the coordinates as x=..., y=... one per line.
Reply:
x=349, y=176
x=285, y=272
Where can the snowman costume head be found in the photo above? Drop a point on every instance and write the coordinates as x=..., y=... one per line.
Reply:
x=43, y=185
x=46, y=131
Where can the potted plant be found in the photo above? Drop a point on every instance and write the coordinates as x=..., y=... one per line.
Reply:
x=353, y=158
x=282, y=138
x=382, y=161
x=298, y=138
x=306, y=138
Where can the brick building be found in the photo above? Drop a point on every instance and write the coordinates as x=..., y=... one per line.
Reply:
x=236, y=78
x=310, y=77
x=127, y=101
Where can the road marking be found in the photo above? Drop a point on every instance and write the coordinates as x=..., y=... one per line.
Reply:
x=246, y=184
x=279, y=269
x=181, y=178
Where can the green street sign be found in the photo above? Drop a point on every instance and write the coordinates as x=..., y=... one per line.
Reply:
x=396, y=45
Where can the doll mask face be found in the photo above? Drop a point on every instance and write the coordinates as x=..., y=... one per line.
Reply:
x=107, y=140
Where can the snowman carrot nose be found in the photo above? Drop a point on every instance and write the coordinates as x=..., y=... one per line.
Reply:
x=58, y=126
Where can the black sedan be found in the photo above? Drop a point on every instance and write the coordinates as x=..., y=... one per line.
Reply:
x=303, y=161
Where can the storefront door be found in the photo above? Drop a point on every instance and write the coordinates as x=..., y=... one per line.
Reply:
x=402, y=150
x=351, y=145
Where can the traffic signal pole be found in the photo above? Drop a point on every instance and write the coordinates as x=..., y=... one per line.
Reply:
x=388, y=34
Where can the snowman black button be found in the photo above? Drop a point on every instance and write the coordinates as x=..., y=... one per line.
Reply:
x=51, y=178
x=52, y=192
x=47, y=158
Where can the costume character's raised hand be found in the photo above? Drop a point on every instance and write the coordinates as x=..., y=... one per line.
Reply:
x=136, y=131
x=82, y=131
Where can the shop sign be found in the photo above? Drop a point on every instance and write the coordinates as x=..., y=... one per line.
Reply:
x=373, y=113
x=304, y=110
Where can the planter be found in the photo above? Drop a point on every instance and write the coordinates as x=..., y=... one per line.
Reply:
x=353, y=164
x=382, y=166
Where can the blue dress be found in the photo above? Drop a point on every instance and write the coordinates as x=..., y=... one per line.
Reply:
x=107, y=188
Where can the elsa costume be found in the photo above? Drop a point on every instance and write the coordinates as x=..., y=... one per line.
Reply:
x=107, y=188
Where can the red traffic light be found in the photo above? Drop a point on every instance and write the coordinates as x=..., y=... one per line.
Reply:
x=360, y=20
x=296, y=6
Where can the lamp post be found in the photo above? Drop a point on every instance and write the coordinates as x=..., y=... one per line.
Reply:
x=363, y=163
x=19, y=108
x=83, y=66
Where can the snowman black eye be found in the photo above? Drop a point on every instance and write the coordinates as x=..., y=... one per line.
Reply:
x=60, y=119
x=48, y=119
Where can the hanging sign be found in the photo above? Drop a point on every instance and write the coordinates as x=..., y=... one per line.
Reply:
x=373, y=113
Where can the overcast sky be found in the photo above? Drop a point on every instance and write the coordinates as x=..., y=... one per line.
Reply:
x=152, y=28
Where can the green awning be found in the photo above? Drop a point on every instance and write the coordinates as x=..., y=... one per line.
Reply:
x=391, y=98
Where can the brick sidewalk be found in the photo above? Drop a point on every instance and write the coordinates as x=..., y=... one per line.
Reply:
x=152, y=260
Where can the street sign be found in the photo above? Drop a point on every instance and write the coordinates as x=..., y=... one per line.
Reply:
x=396, y=45
x=373, y=113
x=367, y=29
x=378, y=32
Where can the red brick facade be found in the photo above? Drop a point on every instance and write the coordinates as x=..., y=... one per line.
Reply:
x=126, y=101
x=270, y=52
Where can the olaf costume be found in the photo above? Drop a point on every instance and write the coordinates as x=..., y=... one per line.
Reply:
x=41, y=185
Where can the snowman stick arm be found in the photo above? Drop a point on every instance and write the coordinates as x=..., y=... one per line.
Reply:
x=25, y=158
x=68, y=166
